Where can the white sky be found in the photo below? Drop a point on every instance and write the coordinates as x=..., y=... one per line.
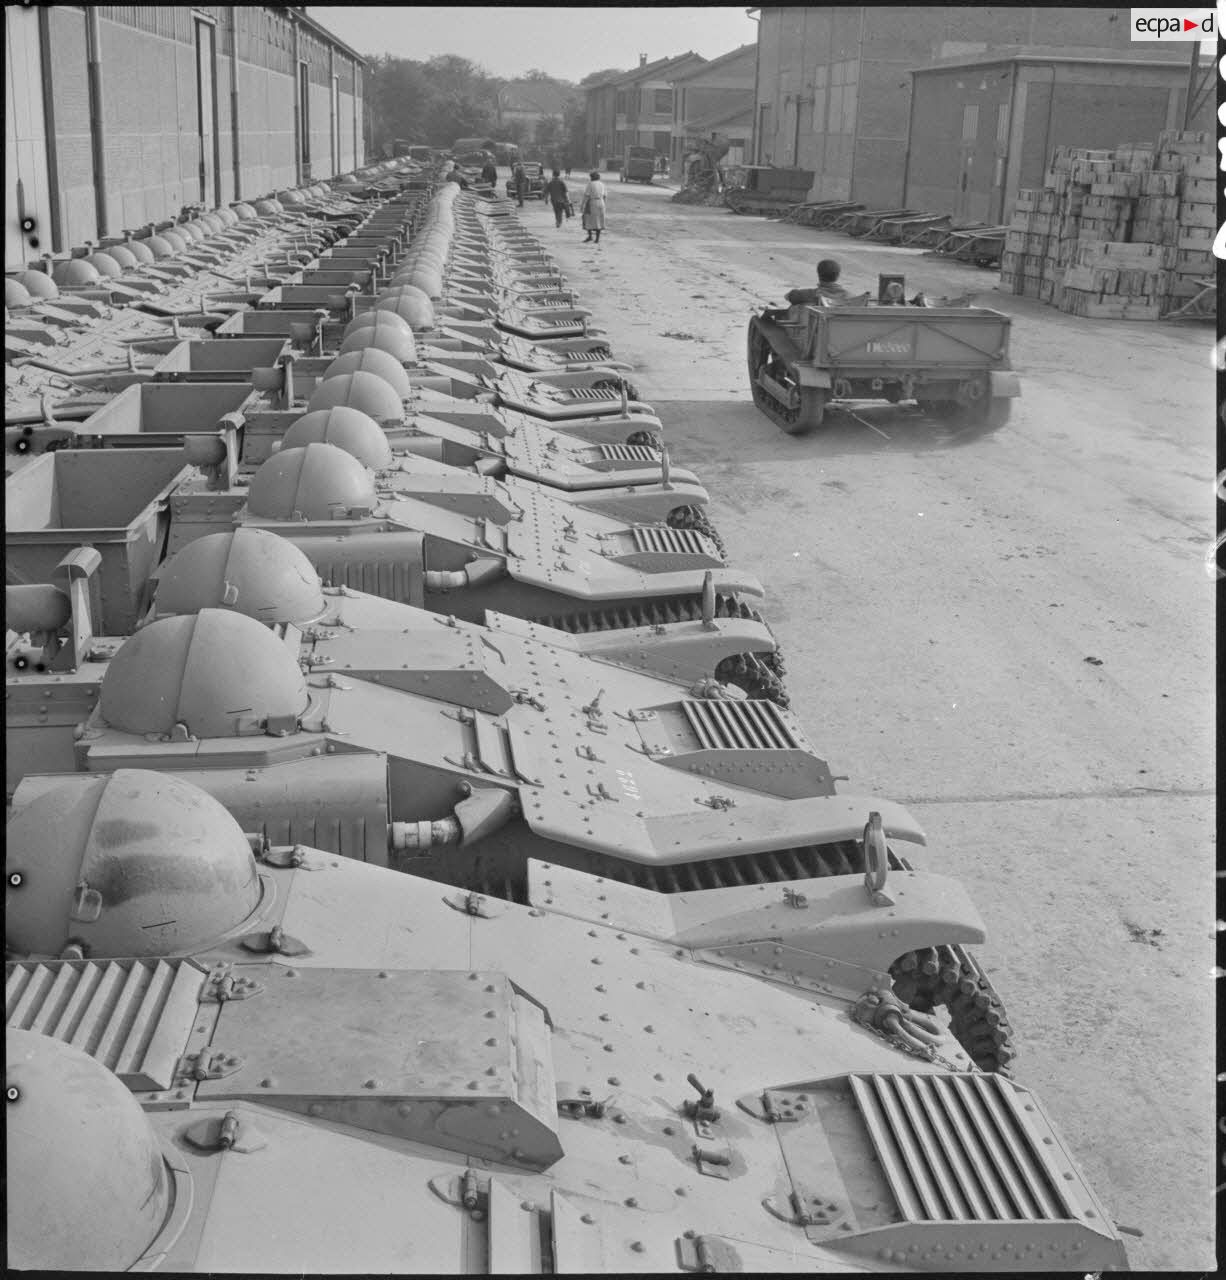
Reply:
x=567, y=42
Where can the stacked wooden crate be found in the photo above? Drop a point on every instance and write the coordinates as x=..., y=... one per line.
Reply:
x=1118, y=234
x=1190, y=157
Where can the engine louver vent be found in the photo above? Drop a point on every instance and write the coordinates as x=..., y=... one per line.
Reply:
x=134, y=1016
x=665, y=539
x=630, y=453
x=590, y=393
x=959, y=1148
x=747, y=725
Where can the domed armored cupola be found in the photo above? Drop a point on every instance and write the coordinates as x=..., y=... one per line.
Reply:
x=369, y=392
x=131, y=863
x=349, y=429
x=88, y=1188
x=317, y=482
x=213, y=674
x=250, y=571
x=372, y=360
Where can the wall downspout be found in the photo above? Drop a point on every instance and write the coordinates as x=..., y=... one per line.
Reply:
x=1004, y=176
x=53, y=169
x=236, y=155
x=906, y=159
x=299, y=122
x=757, y=70
x=93, y=39
x=855, y=132
x=1051, y=110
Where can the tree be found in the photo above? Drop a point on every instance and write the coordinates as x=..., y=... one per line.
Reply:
x=433, y=102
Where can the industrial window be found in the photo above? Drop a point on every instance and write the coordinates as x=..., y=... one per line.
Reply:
x=681, y=104
x=664, y=102
x=1002, y=123
x=970, y=122
x=620, y=103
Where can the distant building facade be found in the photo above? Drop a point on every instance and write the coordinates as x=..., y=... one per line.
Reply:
x=636, y=107
x=982, y=128
x=835, y=88
x=190, y=105
x=534, y=108
x=712, y=92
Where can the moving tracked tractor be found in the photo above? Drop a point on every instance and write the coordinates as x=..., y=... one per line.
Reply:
x=951, y=359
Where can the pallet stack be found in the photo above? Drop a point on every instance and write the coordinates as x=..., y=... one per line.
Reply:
x=1120, y=234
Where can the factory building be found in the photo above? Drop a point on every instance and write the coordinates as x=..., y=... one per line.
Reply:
x=834, y=93
x=120, y=115
x=983, y=128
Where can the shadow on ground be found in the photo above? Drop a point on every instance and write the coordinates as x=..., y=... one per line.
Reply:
x=727, y=430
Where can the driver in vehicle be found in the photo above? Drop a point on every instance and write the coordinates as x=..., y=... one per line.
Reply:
x=828, y=288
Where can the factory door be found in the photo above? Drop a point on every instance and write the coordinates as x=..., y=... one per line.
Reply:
x=206, y=113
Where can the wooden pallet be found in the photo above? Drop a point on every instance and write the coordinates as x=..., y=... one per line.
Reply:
x=982, y=246
x=1202, y=306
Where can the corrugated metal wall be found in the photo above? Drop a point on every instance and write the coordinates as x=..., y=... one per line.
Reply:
x=26, y=180
x=151, y=122
x=834, y=93
x=70, y=99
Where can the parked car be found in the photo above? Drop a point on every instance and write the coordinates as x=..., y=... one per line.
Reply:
x=536, y=182
x=639, y=166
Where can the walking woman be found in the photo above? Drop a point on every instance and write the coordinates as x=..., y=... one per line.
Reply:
x=593, y=208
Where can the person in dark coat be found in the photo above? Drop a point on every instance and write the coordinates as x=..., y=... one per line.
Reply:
x=489, y=173
x=828, y=287
x=555, y=193
x=519, y=176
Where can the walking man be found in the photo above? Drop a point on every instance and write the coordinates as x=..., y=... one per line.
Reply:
x=520, y=176
x=555, y=193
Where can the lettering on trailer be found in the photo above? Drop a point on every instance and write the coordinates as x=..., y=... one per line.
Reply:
x=881, y=347
x=1173, y=24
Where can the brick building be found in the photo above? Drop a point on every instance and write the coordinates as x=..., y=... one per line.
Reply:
x=186, y=105
x=834, y=84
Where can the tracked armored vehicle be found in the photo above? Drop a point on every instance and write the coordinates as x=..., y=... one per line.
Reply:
x=528, y=1088
x=451, y=745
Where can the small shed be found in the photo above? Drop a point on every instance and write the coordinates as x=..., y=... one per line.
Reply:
x=981, y=128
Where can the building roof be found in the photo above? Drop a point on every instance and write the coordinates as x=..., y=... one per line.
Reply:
x=716, y=62
x=543, y=97
x=737, y=115
x=299, y=13
x=653, y=69
x=1092, y=57
x=606, y=77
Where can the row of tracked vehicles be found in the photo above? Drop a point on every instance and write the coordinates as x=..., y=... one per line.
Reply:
x=413, y=863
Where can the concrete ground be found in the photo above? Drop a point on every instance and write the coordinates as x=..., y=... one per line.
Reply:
x=1011, y=632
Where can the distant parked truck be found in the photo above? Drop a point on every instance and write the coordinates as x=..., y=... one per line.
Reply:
x=639, y=165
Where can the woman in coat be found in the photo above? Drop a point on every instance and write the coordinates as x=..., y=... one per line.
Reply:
x=593, y=207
